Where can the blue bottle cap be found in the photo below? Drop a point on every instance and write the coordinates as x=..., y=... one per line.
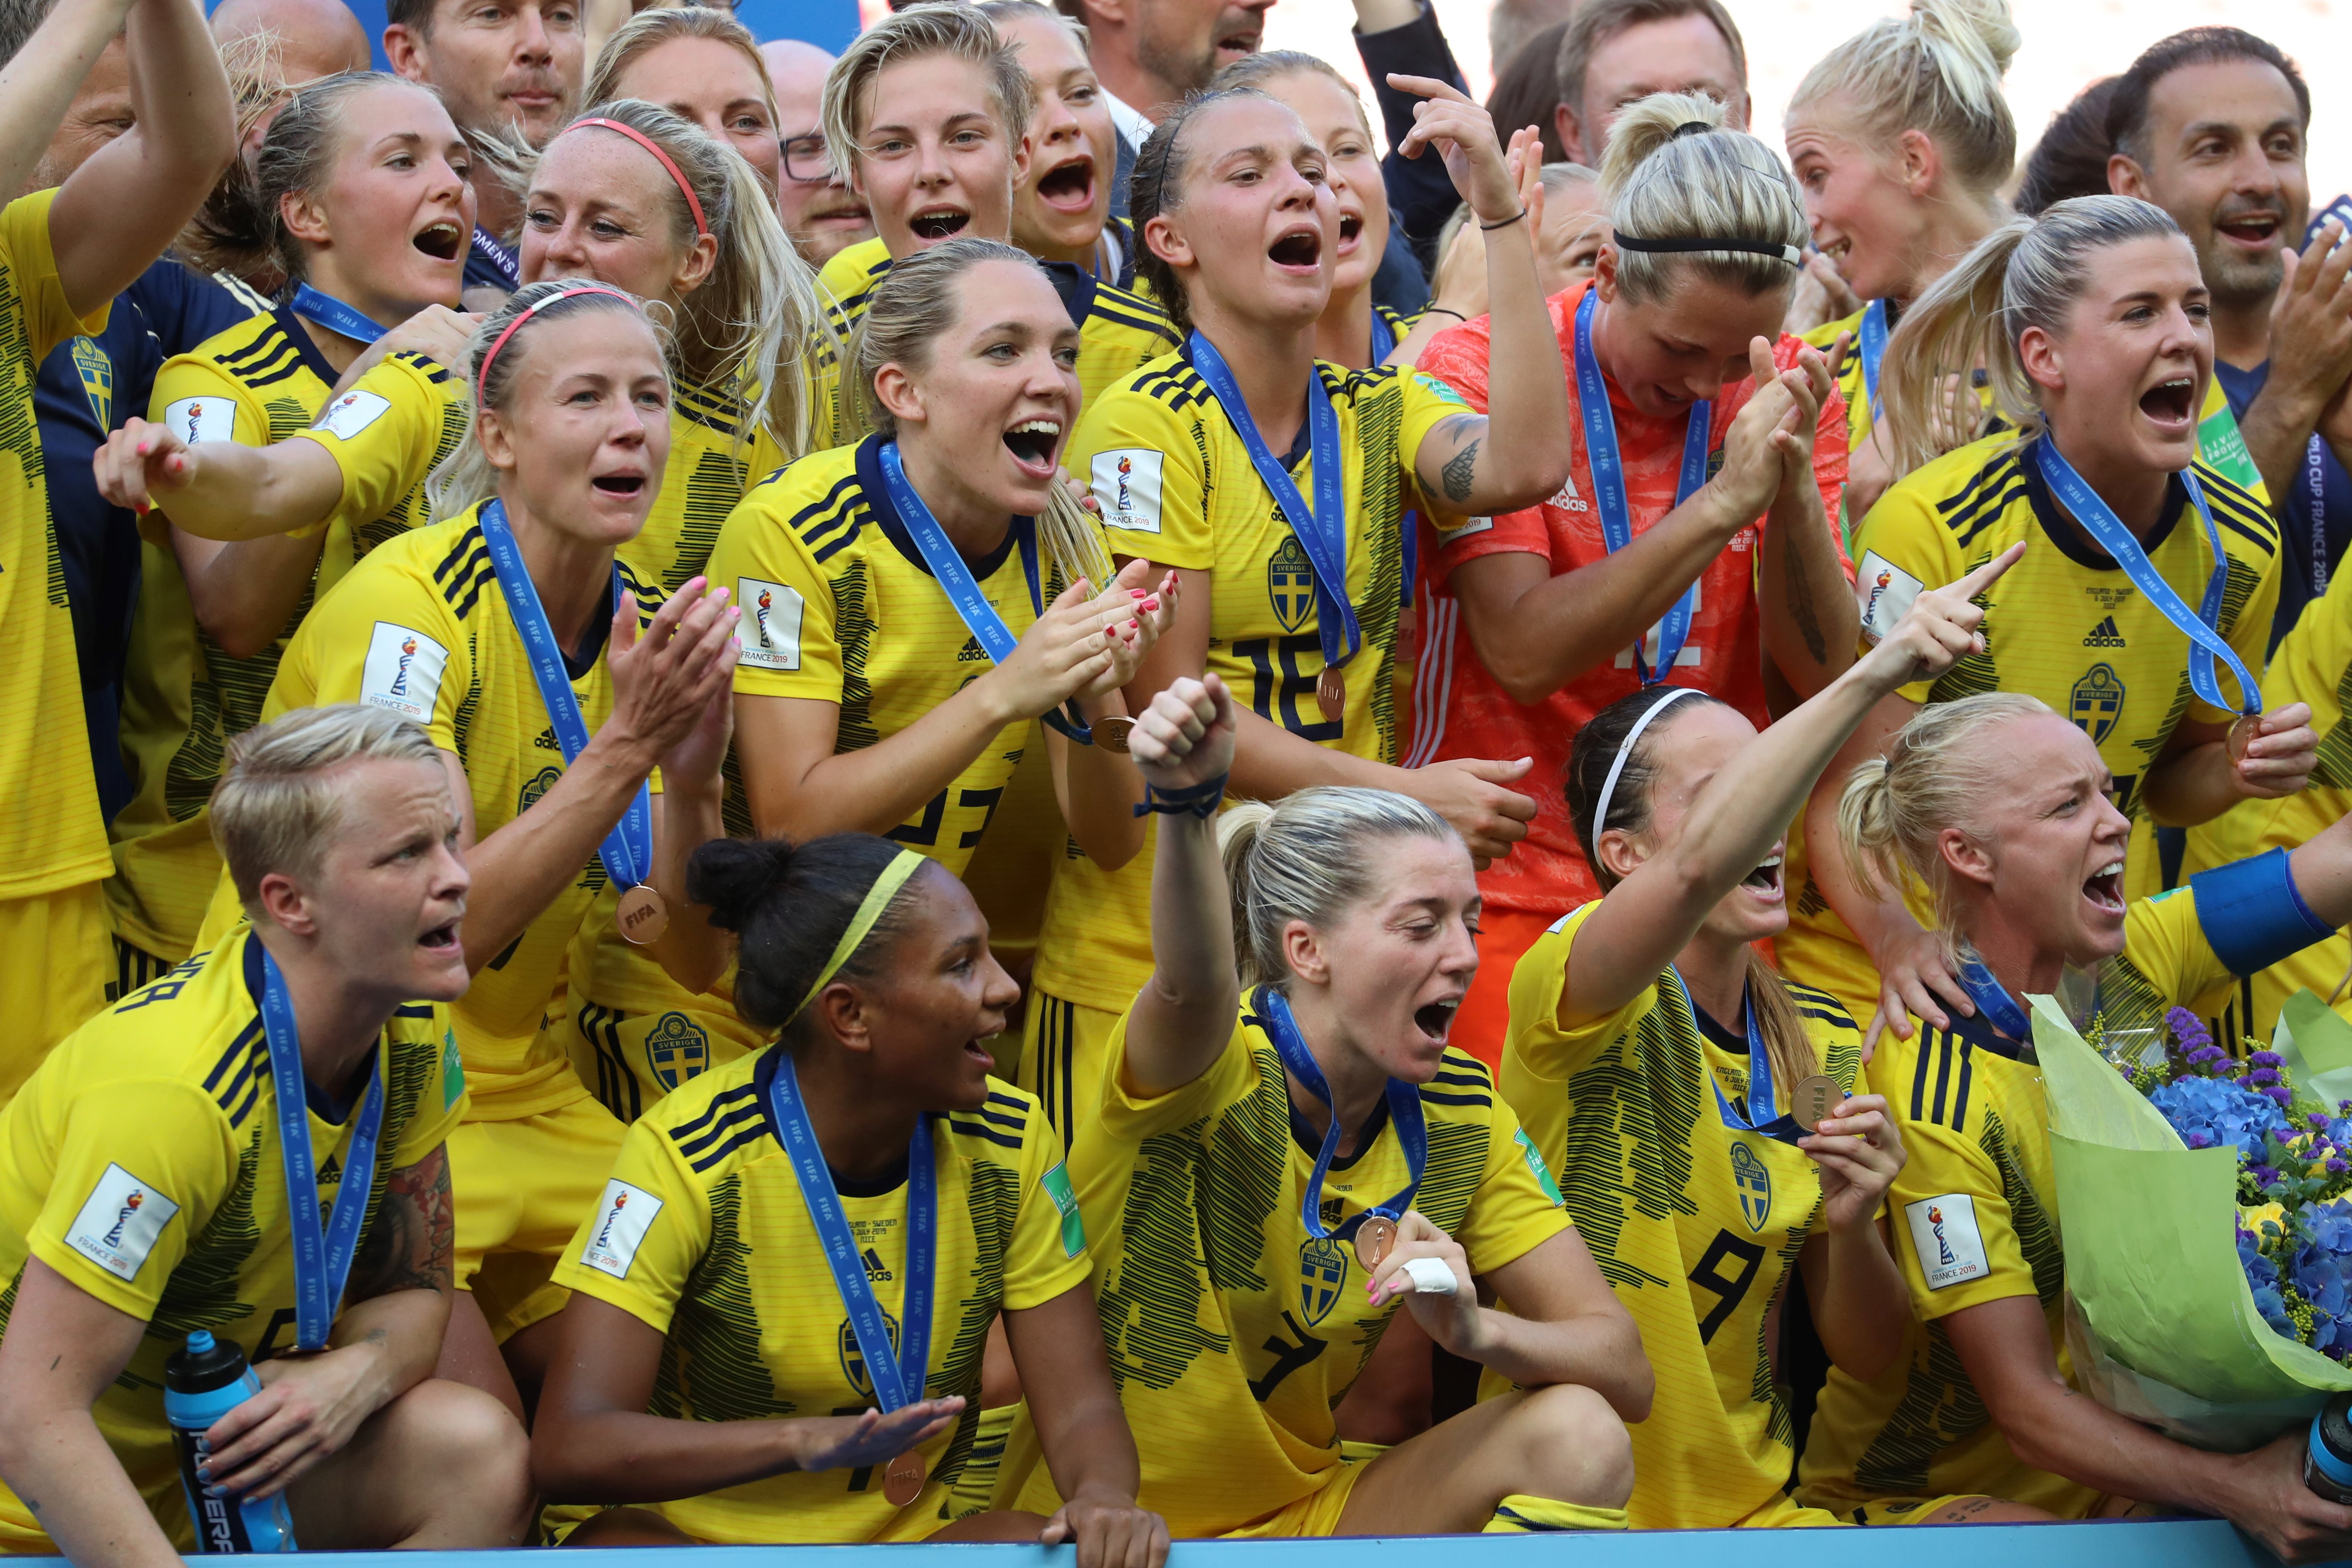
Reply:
x=200, y=1342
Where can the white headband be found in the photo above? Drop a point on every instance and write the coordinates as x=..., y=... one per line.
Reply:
x=1625, y=750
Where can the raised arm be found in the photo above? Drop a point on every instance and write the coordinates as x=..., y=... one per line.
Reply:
x=37, y=85
x=1184, y=1014
x=1519, y=452
x=122, y=208
x=1741, y=811
x=1811, y=622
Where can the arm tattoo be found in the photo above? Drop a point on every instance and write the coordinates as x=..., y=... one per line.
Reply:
x=410, y=1239
x=1801, y=610
x=1458, y=471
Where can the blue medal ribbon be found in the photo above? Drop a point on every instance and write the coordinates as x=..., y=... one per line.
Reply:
x=322, y=1254
x=2205, y=644
x=954, y=577
x=1383, y=339
x=628, y=850
x=334, y=315
x=1321, y=530
x=1993, y=1001
x=1770, y=1120
x=1873, y=349
x=1404, y=1114
x=900, y=1378
x=1608, y=484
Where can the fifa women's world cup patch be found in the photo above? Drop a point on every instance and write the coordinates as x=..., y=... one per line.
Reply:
x=402, y=672
x=121, y=1223
x=626, y=1216
x=1945, y=1237
x=772, y=612
x=1126, y=482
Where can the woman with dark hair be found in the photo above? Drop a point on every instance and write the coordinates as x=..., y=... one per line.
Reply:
x=2071, y=159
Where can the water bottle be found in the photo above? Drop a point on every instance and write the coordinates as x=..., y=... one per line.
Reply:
x=2327, y=1457
x=202, y=1384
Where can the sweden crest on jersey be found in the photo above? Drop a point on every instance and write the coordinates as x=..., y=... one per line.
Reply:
x=1322, y=1270
x=539, y=784
x=1754, y=1184
x=675, y=1050
x=97, y=373
x=853, y=1356
x=2097, y=703
x=1290, y=584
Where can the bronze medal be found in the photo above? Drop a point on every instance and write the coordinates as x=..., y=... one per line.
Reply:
x=2242, y=734
x=1374, y=1237
x=1111, y=732
x=1331, y=694
x=902, y=1483
x=1813, y=1099
x=643, y=916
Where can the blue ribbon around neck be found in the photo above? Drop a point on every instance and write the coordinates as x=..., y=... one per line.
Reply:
x=1993, y=1001
x=954, y=577
x=1770, y=1120
x=1383, y=339
x=1873, y=347
x=334, y=315
x=2100, y=521
x=899, y=1373
x=1608, y=484
x=1321, y=530
x=322, y=1254
x=1404, y=1114
x=627, y=851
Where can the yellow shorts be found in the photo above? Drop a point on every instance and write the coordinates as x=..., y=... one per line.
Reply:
x=522, y=1187
x=54, y=975
x=1784, y=1512
x=630, y=1060
x=1065, y=1049
x=1316, y=1513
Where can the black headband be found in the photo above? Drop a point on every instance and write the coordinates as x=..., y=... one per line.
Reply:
x=1773, y=248
x=1690, y=128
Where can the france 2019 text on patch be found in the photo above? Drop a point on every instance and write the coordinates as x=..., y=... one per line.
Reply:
x=627, y=1214
x=1126, y=482
x=402, y=672
x=1945, y=1237
x=121, y=1223
x=774, y=612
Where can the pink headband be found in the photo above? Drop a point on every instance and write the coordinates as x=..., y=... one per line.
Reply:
x=693, y=205
x=533, y=308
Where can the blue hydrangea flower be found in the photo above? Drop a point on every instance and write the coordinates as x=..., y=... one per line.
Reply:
x=2207, y=1112
x=2322, y=1272
x=2263, y=1276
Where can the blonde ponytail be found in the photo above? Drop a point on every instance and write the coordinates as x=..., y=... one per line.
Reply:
x=1674, y=170
x=1934, y=776
x=1937, y=70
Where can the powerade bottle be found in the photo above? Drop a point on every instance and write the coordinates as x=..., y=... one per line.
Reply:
x=2327, y=1457
x=202, y=1384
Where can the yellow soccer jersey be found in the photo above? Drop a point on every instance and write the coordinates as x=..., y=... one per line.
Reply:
x=1696, y=1226
x=421, y=629
x=2312, y=664
x=142, y=1161
x=1232, y=1333
x=1975, y=1219
x=1119, y=333
x=2064, y=625
x=839, y=607
x=704, y=1234
x=259, y=383
x=1850, y=384
x=1176, y=486
x=52, y=837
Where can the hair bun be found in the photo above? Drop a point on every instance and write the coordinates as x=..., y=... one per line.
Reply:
x=732, y=876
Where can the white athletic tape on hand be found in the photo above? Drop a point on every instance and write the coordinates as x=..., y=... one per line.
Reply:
x=1431, y=1277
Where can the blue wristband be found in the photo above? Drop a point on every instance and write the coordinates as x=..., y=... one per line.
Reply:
x=2252, y=915
x=1199, y=800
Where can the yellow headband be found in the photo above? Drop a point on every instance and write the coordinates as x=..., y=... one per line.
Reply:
x=877, y=898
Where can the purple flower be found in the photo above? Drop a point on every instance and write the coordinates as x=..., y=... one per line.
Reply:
x=2188, y=1031
x=2267, y=1059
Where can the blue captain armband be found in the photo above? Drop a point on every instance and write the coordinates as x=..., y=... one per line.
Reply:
x=2252, y=915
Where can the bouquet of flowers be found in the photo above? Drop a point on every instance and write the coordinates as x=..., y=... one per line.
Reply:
x=2206, y=1206
x=2294, y=1219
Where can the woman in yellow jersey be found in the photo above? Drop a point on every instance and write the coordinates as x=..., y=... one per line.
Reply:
x=1286, y=1150
x=934, y=105
x=1708, y=1120
x=1061, y=210
x=1903, y=141
x=2144, y=601
x=779, y=1306
x=490, y=628
x=361, y=198
x=2312, y=666
x=918, y=600
x=2002, y=807
x=648, y=204
x=1296, y=605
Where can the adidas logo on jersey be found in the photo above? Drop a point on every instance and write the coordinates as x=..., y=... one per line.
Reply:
x=547, y=742
x=972, y=652
x=2104, y=634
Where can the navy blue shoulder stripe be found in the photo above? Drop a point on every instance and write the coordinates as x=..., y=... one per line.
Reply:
x=974, y=1130
x=752, y=1134
x=718, y=1105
